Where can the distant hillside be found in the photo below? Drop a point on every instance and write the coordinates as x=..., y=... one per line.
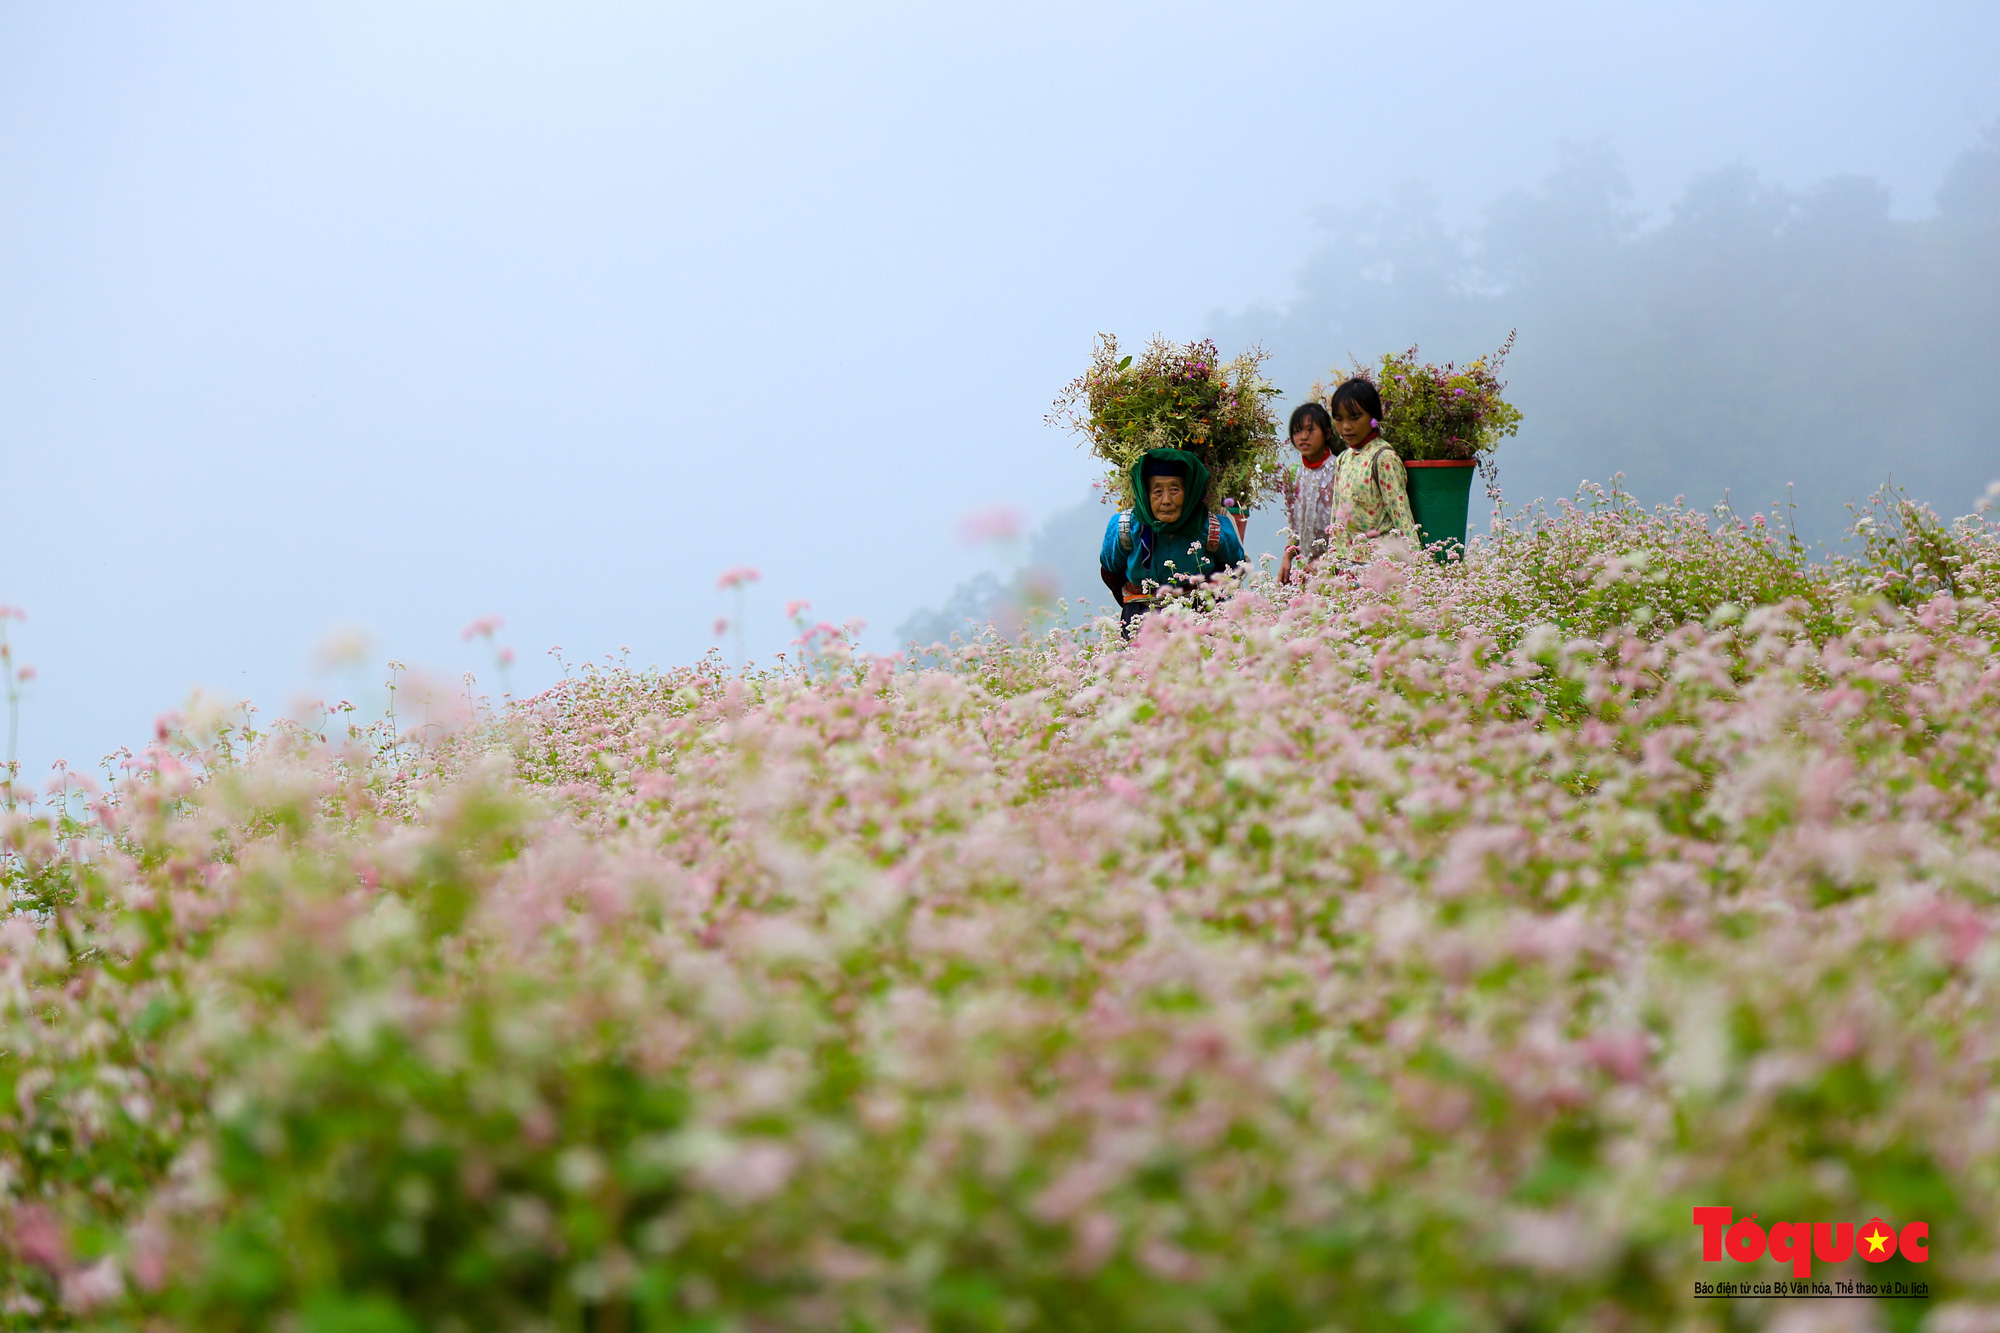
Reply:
x=1758, y=340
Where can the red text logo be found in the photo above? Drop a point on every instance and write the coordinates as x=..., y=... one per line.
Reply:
x=1796, y=1243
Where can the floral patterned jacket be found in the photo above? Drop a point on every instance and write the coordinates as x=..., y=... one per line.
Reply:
x=1310, y=502
x=1372, y=493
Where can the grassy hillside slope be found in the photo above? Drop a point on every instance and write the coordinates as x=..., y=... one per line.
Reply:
x=1412, y=950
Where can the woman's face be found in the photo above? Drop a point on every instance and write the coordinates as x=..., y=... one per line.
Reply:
x=1353, y=425
x=1310, y=441
x=1168, y=496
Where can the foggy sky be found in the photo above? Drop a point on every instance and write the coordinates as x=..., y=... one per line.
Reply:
x=394, y=316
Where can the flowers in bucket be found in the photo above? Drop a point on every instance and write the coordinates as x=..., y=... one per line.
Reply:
x=1177, y=396
x=1441, y=421
x=1441, y=412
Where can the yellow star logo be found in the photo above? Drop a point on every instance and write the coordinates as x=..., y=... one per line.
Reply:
x=1876, y=1240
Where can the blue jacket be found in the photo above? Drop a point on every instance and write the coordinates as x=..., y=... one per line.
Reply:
x=1129, y=563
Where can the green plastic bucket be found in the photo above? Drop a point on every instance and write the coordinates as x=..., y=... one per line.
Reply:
x=1440, y=495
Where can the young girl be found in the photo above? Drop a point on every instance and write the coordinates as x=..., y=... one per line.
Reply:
x=1372, y=489
x=1309, y=488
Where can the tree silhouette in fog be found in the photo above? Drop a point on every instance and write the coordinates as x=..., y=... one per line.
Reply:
x=1753, y=337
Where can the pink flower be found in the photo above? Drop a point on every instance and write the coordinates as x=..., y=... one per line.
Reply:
x=747, y=1173
x=39, y=1238
x=737, y=577
x=149, y=1256
x=1623, y=1055
x=88, y=1288
x=997, y=523
x=485, y=626
x=1170, y=1261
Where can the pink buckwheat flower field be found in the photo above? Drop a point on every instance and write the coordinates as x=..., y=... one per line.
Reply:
x=1410, y=950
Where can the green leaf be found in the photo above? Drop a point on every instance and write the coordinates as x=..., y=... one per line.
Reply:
x=342, y=1312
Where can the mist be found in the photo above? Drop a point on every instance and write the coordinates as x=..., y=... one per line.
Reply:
x=326, y=332
x=1754, y=341
x=1750, y=343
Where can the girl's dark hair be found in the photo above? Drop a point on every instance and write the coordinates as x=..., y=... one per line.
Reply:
x=1362, y=394
x=1310, y=414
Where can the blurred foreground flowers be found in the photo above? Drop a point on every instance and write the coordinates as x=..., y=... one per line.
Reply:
x=1408, y=951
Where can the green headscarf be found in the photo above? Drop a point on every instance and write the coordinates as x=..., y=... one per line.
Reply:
x=1193, y=523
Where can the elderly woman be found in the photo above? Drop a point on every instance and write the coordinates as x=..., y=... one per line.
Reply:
x=1168, y=538
x=1372, y=490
